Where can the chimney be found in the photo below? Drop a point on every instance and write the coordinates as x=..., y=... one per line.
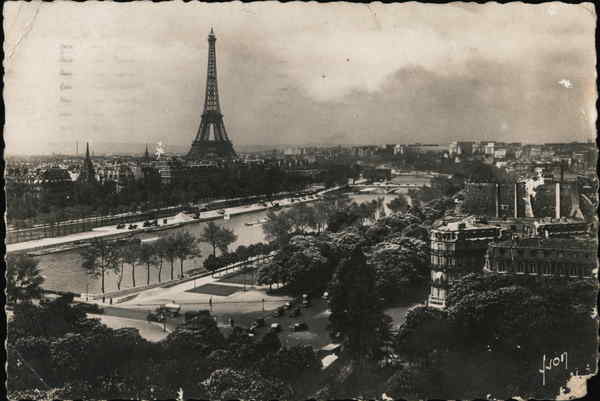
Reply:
x=516, y=206
x=557, y=200
x=497, y=200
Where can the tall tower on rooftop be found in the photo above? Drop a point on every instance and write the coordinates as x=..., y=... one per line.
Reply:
x=87, y=173
x=211, y=140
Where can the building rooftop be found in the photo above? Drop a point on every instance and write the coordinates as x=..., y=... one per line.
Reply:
x=469, y=223
x=562, y=220
x=549, y=243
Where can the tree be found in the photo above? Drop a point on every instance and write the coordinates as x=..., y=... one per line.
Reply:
x=398, y=204
x=322, y=211
x=147, y=256
x=132, y=257
x=289, y=364
x=197, y=337
x=225, y=238
x=121, y=254
x=399, y=267
x=230, y=384
x=270, y=273
x=277, y=228
x=424, y=331
x=98, y=258
x=51, y=318
x=302, y=265
x=487, y=328
x=185, y=247
x=210, y=235
x=23, y=279
x=171, y=253
x=161, y=247
x=356, y=309
x=302, y=217
x=218, y=237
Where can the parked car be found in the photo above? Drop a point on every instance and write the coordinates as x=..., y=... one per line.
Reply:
x=305, y=301
x=120, y=226
x=296, y=312
x=190, y=315
x=171, y=310
x=221, y=211
x=156, y=316
x=279, y=311
x=299, y=326
x=132, y=226
x=275, y=327
x=256, y=324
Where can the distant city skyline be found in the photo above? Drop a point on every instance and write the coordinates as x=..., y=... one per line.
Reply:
x=295, y=74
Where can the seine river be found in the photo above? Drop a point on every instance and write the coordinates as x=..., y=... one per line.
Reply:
x=63, y=271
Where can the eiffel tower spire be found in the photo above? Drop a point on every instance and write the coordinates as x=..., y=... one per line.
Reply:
x=211, y=139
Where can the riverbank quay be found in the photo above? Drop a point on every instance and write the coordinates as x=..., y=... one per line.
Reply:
x=219, y=294
x=181, y=219
x=120, y=296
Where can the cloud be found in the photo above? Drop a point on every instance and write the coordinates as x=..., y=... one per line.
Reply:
x=565, y=83
x=298, y=73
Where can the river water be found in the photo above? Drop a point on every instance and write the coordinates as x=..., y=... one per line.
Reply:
x=63, y=271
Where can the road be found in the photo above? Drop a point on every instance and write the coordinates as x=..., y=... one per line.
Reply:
x=174, y=221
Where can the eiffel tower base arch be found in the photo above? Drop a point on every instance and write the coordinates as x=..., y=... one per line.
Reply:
x=202, y=149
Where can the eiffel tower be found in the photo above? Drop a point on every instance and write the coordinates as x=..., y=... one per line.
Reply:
x=211, y=140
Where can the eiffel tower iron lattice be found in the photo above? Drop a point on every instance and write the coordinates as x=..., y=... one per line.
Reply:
x=211, y=139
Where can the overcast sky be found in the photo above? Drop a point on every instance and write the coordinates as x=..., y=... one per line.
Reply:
x=299, y=73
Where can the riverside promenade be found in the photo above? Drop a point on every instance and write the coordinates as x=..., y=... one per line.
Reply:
x=172, y=222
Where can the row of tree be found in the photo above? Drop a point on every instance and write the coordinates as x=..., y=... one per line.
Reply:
x=30, y=205
x=55, y=351
x=102, y=257
x=330, y=214
x=396, y=246
x=497, y=323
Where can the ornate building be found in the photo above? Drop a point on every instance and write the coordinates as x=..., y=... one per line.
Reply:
x=545, y=257
x=457, y=248
x=211, y=140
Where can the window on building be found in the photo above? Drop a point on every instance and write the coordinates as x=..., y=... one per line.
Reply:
x=572, y=270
